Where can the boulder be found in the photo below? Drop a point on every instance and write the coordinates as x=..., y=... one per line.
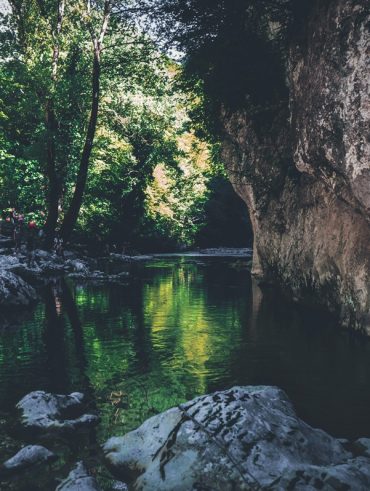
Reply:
x=77, y=266
x=28, y=457
x=8, y=262
x=243, y=438
x=14, y=291
x=79, y=480
x=49, y=412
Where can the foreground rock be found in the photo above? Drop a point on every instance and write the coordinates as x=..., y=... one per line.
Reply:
x=79, y=480
x=244, y=438
x=48, y=412
x=14, y=291
x=27, y=458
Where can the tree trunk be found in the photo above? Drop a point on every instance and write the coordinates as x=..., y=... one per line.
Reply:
x=51, y=128
x=53, y=181
x=71, y=216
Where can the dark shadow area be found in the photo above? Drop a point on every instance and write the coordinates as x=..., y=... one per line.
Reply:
x=226, y=217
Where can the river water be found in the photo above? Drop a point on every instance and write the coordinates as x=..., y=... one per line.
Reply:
x=181, y=327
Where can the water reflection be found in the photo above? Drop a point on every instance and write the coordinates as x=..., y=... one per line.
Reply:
x=182, y=328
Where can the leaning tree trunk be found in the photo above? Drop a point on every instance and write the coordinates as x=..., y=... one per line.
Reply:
x=51, y=129
x=71, y=216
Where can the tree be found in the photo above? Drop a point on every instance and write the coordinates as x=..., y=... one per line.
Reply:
x=234, y=51
x=58, y=48
x=97, y=40
x=92, y=115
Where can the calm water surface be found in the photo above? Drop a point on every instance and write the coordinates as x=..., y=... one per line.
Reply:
x=180, y=328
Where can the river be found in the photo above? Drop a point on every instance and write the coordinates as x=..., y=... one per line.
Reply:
x=181, y=327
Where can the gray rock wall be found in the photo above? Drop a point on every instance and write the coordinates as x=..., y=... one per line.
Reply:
x=306, y=176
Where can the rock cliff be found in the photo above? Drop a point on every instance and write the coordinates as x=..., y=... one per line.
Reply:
x=305, y=172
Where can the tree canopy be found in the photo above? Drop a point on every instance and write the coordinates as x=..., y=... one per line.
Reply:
x=96, y=136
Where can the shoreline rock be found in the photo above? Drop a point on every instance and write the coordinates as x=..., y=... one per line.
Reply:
x=28, y=457
x=18, y=280
x=242, y=438
x=53, y=412
x=14, y=291
x=79, y=480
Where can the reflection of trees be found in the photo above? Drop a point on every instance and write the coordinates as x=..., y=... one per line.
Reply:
x=142, y=342
x=59, y=305
x=70, y=309
x=54, y=339
x=194, y=328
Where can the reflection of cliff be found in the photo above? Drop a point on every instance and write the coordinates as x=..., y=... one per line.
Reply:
x=305, y=172
x=302, y=351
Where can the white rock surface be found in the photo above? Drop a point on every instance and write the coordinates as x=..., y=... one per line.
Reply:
x=28, y=457
x=14, y=291
x=43, y=411
x=242, y=438
x=79, y=480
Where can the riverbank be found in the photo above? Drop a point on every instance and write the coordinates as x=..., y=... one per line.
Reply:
x=19, y=273
x=244, y=438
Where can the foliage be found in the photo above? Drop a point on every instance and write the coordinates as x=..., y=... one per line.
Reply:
x=175, y=200
x=233, y=52
x=234, y=47
x=150, y=167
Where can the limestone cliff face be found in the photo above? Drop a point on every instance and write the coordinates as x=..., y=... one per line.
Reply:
x=305, y=175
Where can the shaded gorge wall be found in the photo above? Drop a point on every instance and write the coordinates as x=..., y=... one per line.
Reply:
x=301, y=164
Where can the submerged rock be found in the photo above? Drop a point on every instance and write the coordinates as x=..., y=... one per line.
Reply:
x=14, y=291
x=242, y=438
x=28, y=457
x=79, y=480
x=43, y=411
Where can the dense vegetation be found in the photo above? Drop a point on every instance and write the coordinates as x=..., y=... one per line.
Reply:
x=96, y=138
x=235, y=51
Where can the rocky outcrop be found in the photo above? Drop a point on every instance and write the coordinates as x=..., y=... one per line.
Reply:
x=45, y=412
x=27, y=458
x=79, y=480
x=16, y=273
x=243, y=438
x=14, y=291
x=305, y=172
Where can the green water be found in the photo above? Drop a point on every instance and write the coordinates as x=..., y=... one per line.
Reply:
x=179, y=328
